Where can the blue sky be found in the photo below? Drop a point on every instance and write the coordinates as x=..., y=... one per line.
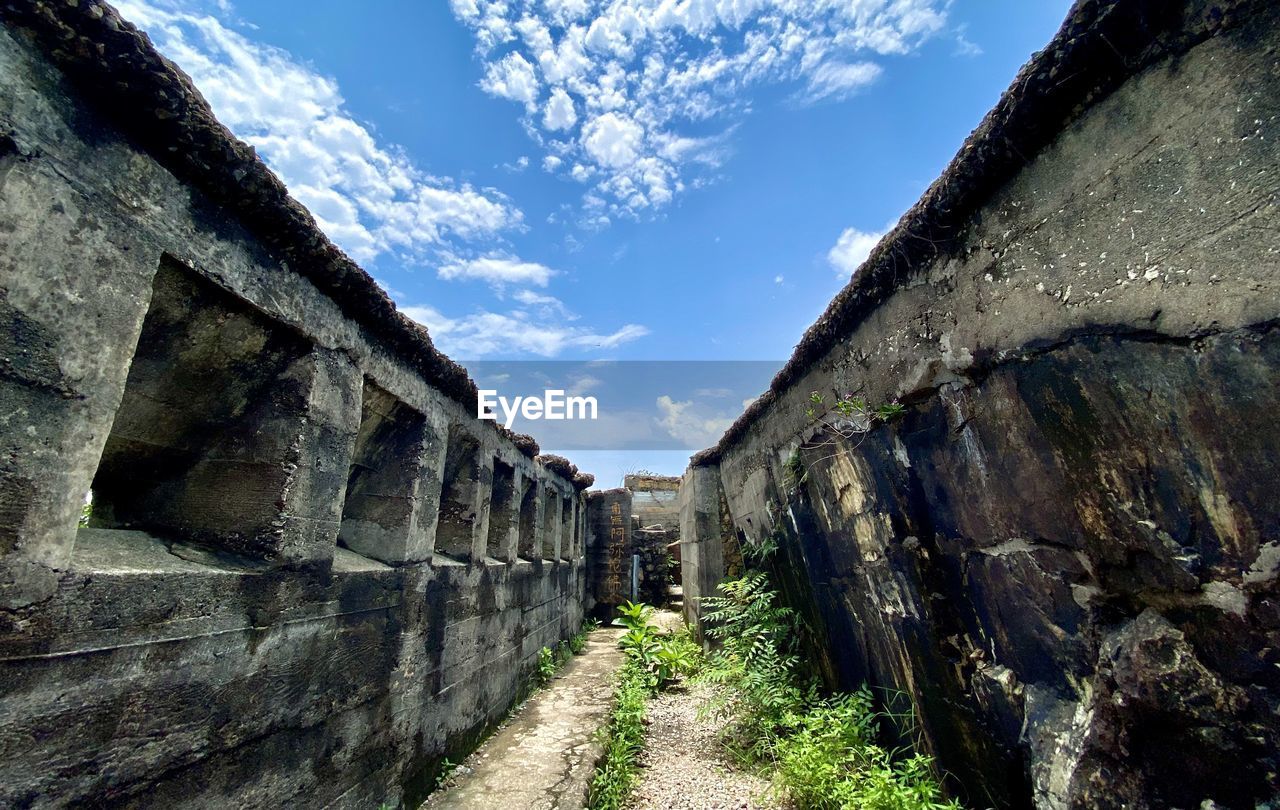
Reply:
x=633, y=179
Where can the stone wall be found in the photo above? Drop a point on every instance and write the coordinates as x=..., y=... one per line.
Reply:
x=1066, y=550
x=609, y=550
x=655, y=500
x=709, y=552
x=655, y=512
x=309, y=573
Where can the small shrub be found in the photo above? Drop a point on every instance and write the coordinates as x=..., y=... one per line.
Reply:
x=547, y=665
x=447, y=767
x=663, y=656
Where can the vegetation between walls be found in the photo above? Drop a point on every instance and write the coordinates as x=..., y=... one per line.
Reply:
x=822, y=751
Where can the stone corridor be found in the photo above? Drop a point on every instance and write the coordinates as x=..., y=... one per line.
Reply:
x=257, y=549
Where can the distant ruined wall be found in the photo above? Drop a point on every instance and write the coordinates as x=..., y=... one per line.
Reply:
x=309, y=572
x=655, y=500
x=1066, y=551
x=655, y=511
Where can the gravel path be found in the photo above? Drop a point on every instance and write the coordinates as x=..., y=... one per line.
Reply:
x=682, y=767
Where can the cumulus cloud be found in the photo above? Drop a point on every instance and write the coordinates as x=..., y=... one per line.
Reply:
x=368, y=196
x=486, y=334
x=686, y=423
x=612, y=140
x=560, y=112
x=622, y=93
x=852, y=249
x=498, y=271
x=511, y=78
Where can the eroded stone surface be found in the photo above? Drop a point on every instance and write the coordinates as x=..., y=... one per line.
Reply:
x=1064, y=551
x=259, y=613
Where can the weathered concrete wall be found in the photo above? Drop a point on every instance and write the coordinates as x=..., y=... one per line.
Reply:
x=309, y=572
x=709, y=552
x=609, y=550
x=1066, y=551
x=655, y=531
x=655, y=500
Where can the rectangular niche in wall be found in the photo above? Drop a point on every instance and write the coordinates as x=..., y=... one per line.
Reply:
x=528, y=544
x=550, y=517
x=200, y=449
x=378, y=510
x=501, y=510
x=566, y=528
x=458, y=496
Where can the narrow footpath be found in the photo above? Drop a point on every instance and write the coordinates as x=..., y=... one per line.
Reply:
x=545, y=756
x=682, y=765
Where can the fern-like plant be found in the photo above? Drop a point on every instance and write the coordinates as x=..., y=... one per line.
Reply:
x=822, y=750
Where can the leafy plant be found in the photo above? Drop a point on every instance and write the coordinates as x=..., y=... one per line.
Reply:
x=447, y=767
x=796, y=474
x=635, y=616
x=888, y=412
x=547, y=665
x=662, y=656
x=823, y=750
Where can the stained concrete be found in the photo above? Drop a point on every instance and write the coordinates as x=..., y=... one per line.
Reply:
x=267, y=608
x=545, y=757
x=1064, y=550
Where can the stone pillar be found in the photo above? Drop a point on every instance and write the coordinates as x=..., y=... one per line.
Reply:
x=463, y=499
x=551, y=523
x=609, y=550
x=483, y=500
x=74, y=289
x=566, y=526
x=708, y=546
x=428, y=487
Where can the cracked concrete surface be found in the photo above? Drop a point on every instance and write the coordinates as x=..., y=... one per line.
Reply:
x=545, y=757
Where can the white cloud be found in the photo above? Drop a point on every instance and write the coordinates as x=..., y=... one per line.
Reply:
x=839, y=80
x=484, y=334
x=511, y=78
x=964, y=46
x=367, y=196
x=632, y=87
x=546, y=306
x=497, y=270
x=612, y=140
x=852, y=249
x=560, y=113
x=685, y=423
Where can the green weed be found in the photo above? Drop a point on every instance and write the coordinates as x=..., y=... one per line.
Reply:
x=823, y=751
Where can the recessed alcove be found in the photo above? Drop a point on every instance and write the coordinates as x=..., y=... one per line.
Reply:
x=455, y=530
x=377, y=512
x=528, y=543
x=200, y=447
x=501, y=510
